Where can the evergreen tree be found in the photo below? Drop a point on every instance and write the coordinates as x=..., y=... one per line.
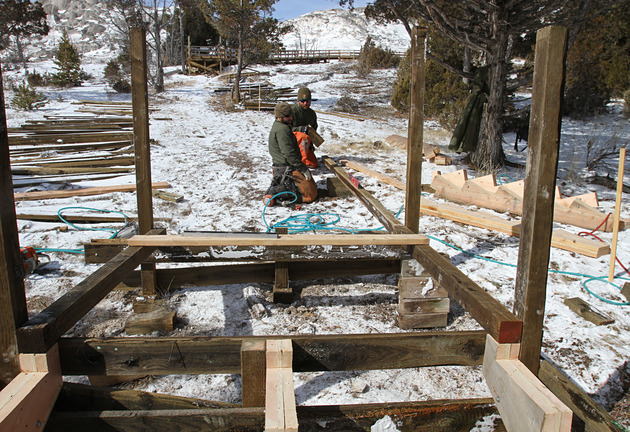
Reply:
x=68, y=62
x=248, y=27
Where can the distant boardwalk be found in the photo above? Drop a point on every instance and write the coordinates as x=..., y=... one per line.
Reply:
x=202, y=59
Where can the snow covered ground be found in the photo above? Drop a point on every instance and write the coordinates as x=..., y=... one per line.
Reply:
x=217, y=159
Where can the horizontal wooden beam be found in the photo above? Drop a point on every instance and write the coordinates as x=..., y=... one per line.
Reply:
x=41, y=332
x=175, y=278
x=204, y=355
x=281, y=240
x=445, y=415
x=178, y=420
x=100, y=251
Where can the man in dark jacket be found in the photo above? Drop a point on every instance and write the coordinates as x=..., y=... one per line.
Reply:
x=303, y=115
x=289, y=172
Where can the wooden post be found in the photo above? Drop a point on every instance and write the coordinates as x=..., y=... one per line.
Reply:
x=13, y=311
x=253, y=373
x=540, y=182
x=613, y=248
x=140, y=103
x=415, y=135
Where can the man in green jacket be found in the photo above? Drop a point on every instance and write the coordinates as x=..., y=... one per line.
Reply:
x=303, y=115
x=289, y=172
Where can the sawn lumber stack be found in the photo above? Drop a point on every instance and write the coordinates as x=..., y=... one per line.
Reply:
x=484, y=192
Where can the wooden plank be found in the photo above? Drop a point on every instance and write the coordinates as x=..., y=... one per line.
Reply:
x=13, y=310
x=282, y=240
x=204, y=355
x=584, y=310
x=524, y=403
x=540, y=182
x=416, y=128
x=26, y=402
x=560, y=239
x=28, y=196
x=459, y=415
x=178, y=420
x=280, y=412
x=94, y=219
x=100, y=252
x=375, y=174
x=81, y=397
x=42, y=331
x=595, y=418
x=159, y=319
x=253, y=373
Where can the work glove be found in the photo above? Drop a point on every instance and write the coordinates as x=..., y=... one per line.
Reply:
x=304, y=129
x=307, y=174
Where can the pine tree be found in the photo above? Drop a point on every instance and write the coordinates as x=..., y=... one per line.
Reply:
x=68, y=61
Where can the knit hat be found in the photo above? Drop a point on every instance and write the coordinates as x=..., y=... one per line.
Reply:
x=282, y=109
x=304, y=93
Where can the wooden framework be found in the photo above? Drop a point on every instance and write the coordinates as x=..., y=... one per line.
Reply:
x=265, y=362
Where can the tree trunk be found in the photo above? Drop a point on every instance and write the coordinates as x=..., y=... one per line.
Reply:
x=20, y=53
x=159, y=79
x=489, y=156
x=182, y=40
x=236, y=96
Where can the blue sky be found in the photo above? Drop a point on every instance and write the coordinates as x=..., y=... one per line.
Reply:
x=287, y=9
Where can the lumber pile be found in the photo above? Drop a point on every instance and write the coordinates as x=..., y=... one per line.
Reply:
x=430, y=152
x=60, y=149
x=508, y=198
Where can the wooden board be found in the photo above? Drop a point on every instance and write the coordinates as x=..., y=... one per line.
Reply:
x=524, y=403
x=207, y=355
x=282, y=240
x=27, y=196
x=280, y=410
x=584, y=310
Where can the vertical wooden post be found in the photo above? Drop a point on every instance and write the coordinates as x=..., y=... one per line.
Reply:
x=140, y=103
x=415, y=134
x=13, y=311
x=253, y=373
x=613, y=247
x=540, y=182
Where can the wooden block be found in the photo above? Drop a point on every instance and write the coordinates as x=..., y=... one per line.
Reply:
x=420, y=320
x=411, y=290
x=442, y=160
x=146, y=323
x=524, y=403
x=584, y=310
x=253, y=373
x=398, y=141
x=316, y=139
x=424, y=306
x=282, y=292
x=336, y=188
x=625, y=291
